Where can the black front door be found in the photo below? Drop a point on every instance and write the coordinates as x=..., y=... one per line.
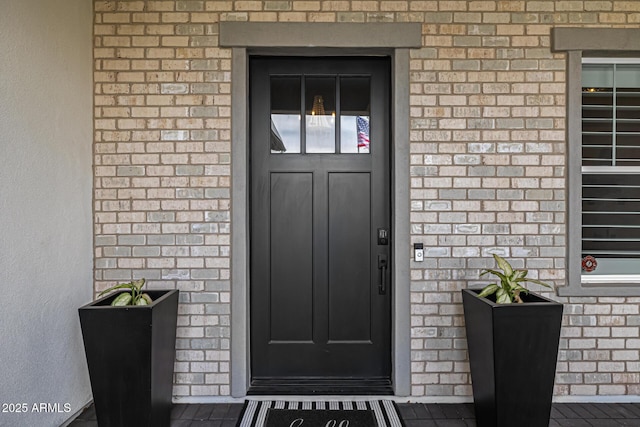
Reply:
x=320, y=217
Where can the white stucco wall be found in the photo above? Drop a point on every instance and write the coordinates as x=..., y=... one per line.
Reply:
x=45, y=207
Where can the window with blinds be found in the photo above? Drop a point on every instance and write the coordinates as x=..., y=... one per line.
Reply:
x=611, y=167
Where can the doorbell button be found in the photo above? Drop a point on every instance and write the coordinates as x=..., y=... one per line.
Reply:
x=418, y=252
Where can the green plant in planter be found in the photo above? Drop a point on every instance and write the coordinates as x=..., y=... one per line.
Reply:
x=509, y=288
x=134, y=297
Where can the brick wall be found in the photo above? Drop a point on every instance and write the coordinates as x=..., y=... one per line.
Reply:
x=487, y=171
x=162, y=170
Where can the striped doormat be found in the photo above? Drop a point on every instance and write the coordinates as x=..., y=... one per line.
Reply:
x=254, y=413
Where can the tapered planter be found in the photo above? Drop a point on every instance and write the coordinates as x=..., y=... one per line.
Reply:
x=130, y=354
x=513, y=350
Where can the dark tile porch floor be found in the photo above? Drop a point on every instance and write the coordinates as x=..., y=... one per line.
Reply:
x=414, y=415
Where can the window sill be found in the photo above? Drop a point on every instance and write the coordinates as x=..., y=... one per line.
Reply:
x=601, y=289
x=610, y=279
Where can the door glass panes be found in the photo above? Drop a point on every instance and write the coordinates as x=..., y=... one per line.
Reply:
x=328, y=101
x=285, y=115
x=354, y=114
x=320, y=112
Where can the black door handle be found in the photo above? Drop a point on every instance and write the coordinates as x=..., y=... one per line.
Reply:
x=382, y=266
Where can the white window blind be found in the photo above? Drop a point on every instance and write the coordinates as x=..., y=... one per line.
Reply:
x=611, y=165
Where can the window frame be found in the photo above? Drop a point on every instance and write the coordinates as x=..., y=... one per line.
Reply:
x=576, y=43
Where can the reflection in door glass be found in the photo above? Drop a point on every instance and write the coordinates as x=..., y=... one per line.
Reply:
x=285, y=115
x=320, y=102
x=354, y=115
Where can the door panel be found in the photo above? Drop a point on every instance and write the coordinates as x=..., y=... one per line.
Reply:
x=320, y=183
x=349, y=257
x=291, y=255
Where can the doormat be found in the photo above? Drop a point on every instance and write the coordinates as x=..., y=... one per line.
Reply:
x=319, y=418
x=279, y=413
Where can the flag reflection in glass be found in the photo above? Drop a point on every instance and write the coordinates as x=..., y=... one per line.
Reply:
x=362, y=124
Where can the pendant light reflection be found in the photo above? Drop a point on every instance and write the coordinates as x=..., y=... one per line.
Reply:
x=319, y=118
x=318, y=106
x=320, y=128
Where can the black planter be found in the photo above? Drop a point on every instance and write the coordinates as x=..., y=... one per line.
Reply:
x=513, y=350
x=130, y=354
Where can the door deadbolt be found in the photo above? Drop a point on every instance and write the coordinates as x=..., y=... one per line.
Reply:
x=383, y=236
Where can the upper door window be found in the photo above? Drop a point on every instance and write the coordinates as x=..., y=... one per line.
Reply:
x=285, y=115
x=336, y=111
x=610, y=171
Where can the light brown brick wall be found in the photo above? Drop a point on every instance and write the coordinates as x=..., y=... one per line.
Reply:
x=162, y=170
x=487, y=171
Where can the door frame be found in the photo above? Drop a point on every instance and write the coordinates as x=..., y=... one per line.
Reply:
x=387, y=39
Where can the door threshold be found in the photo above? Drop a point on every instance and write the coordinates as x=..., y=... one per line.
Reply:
x=321, y=386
